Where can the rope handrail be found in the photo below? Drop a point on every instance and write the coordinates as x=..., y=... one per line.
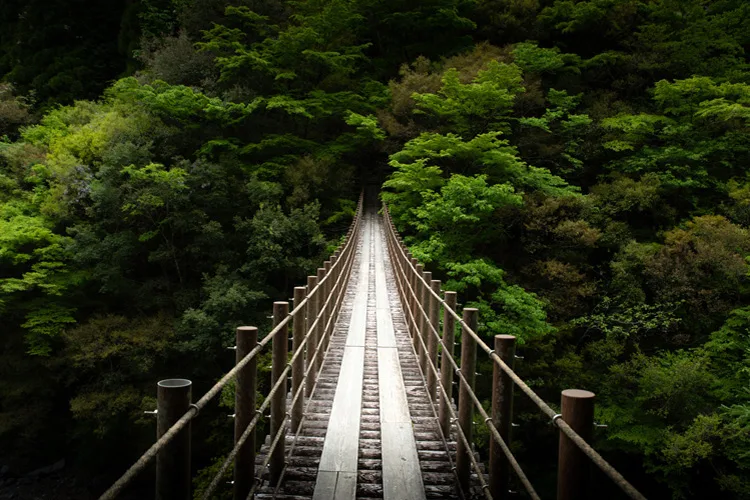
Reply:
x=592, y=454
x=195, y=408
x=298, y=352
x=477, y=404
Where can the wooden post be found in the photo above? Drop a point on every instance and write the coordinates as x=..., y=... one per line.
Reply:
x=502, y=415
x=413, y=299
x=334, y=288
x=465, y=404
x=446, y=368
x=298, y=367
x=173, y=461
x=418, y=324
x=244, y=409
x=321, y=299
x=573, y=464
x=409, y=282
x=432, y=340
x=278, y=403
x=425, y=320
x=311, y=312
x=327, y=303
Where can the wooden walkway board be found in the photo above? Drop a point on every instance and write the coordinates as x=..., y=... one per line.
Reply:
x=336, y=485
x=341, y=446
x=402, y=476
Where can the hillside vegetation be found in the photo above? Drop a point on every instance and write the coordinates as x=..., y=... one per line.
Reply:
x=576, y=169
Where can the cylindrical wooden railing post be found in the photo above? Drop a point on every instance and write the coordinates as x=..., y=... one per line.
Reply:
x=335, y=286
x=419, y=294
x=465, y=404
x=298, y=367
x=432, y=340
x=310, y=313
x=244, y=411
x=425, y=320
x=328, y=303
x=573, y=464
x=502, y=415
x=173, y=460
x=446, y=368
x=412, y=297
x=405, y=284
x=411, y=279
x=321, y=300
x=278, y=403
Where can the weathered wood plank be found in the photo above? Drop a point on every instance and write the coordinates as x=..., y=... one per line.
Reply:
x=325, y=486
x=358, y=321
x=342, y=439
x=341, y=447
x=402, y=477
x=386, y=334
x=333, y=485
x=346, y=486
x=393, y=404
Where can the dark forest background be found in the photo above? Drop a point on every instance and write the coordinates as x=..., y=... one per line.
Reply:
x=577, y=169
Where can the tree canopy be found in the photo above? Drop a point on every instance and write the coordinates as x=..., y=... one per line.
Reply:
x=577, y=170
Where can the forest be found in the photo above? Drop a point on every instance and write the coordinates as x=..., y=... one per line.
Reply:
x=579, y=170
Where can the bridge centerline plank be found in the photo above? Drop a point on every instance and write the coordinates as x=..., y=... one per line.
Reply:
x=341, y=446
x=402, y=474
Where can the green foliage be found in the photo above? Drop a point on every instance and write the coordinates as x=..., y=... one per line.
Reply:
x=486, y=153
x=582, y=182
x=505, y=309
x=473, y=108
x=534, y=59
x=622, y=289
x=694, y=147
x=45, y=53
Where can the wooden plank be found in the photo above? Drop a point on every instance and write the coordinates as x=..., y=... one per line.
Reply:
x=333, y=485
x=402, y=477
x=346, y=486
x=341, y=445
x=386, y=335
x=394, y=407
x=325, y=486
x=338, y=461
x=357, y=326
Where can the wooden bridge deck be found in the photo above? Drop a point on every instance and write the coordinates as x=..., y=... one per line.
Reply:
x=370, y=430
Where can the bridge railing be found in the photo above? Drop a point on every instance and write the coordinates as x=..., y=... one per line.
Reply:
x=313, y=315
x=421, y=301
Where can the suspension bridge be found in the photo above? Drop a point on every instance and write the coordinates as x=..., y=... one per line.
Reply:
x=362, y=402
